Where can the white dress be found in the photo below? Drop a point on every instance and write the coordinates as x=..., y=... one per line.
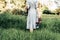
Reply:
x=32, y=14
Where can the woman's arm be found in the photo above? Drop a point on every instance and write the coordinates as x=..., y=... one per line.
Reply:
x=26, y=5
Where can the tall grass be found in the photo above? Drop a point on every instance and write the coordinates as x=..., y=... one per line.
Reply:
x=51, y=22
x=12, y=21
x=15, y=34
x=12, y=28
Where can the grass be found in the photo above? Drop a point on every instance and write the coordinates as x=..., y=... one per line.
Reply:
x=51, y=22
x=15, y=34
x=12, y=27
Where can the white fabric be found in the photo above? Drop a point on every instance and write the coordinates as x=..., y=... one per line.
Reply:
x=32, y=14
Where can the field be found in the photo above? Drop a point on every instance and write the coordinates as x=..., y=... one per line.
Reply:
x=13, y=27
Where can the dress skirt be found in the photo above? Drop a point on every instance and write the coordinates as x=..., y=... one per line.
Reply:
x=31, y=18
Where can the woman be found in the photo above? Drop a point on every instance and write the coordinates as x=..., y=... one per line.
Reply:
x=32, y=14
x=39, y=12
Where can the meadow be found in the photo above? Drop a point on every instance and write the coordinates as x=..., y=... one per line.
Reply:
x=13, y=27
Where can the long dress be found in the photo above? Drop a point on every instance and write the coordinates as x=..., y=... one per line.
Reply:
x=32, y=14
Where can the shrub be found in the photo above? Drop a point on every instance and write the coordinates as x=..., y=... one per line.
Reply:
x=12, y=21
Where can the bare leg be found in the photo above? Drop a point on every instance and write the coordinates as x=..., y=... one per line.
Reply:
x=31, y=30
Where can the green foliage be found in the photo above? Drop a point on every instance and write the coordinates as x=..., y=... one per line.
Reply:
x=12, y=21
x=15, y=34
x=51, y=22
x=12, y=28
